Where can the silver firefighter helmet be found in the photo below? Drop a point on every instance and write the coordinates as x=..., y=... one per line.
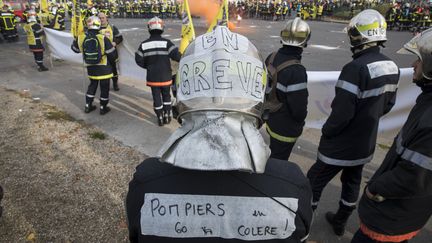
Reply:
x=296, y=32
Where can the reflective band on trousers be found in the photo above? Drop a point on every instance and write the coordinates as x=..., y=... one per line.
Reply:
x=386, y=238
x=343, y=162
x=354, y=89
x=291, y=88
x=108, y=76
x=413, y=156
x=159, y=84
x=280, y=137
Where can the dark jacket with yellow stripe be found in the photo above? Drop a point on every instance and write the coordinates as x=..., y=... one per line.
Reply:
x=287, y=123
x=154, y=55
x=404, y=178
x=35, y=34
x=102, y=70
x=365, y=91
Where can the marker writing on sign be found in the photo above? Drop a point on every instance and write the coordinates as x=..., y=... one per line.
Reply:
x=185, y=209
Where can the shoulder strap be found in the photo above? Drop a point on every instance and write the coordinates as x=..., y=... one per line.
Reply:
x=272, y=102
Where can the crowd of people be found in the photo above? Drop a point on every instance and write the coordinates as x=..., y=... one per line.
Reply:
x=219, y=181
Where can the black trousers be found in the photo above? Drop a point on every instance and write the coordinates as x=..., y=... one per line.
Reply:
x=161, y=99
x=104, y=91
x=320, y=174
x=360, y=237
x=38, y=56
x=115, y=73
x=280, y=150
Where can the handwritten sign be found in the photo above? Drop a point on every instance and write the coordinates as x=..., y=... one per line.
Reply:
x=228, y=217
x=222, y=38
x=221, y=74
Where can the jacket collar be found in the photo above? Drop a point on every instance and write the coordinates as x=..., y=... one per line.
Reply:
x=374, y=49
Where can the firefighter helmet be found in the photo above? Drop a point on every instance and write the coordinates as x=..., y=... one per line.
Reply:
x=31, y=16
x=156, y=24
x=421, y=46
x=295, y=33
x=93, y=23
x=366, y=27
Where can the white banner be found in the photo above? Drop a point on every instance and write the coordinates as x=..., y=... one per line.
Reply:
x=321, y=85
x=60, y=43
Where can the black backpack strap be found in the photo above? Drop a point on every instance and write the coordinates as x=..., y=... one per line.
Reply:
x=272, y=104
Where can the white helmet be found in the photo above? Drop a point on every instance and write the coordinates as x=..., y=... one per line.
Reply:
x=156, y=24
x=366, y=27
x=31, y=17
x=295, y=33
x=93, y=23
x=421, y=46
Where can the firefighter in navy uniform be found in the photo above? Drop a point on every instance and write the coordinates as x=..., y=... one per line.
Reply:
x=98, y=53
x=7, y=24
x=286, y=120
x=35, y=34
x=154, y=54
x=365, y=91
x=213, y=180
x=396, y=202
x=58, y=21
x=113, y=34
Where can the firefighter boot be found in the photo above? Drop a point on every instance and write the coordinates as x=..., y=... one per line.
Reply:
x=42, y=68
x=339, y=219
x=89, y=108
x=160, y=120
x=166, y=117
x=115, y=84
x=104, y=109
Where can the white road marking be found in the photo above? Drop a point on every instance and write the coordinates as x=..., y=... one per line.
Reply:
x=252, y=26
x=325, y=47
x=338, y=31
x=178, y=39
x=166, y=35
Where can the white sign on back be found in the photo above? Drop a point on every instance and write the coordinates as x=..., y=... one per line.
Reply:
x=221, y=38
x=228, y=217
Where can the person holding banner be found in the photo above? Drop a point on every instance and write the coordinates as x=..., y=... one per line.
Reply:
x=396, y=202
x=35, y=34
x=154, y=54
x=98, y=53
x=213, y=181
x=365, y=91
x=113, y=34
x=287, y=89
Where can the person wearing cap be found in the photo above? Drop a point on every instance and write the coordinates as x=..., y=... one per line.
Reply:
x=113, y=34
x=365, y=91
x=154, y=54
x=213, y=181
x=289, y=92
x=396, y=202
x=100, y=72
x=35, y=35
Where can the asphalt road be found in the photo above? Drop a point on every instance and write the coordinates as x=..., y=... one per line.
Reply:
x=133, y=123
x=328, y=48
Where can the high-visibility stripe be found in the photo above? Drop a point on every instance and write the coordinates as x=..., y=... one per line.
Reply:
x=344, y=162
x=101, y=77
x=104, y=98
x=154, y=53
x=378, y=91
x=348, y=203
x=36, y=50
x=280, y=137
x=90, y=96
x=171, y=49
x=110, y=50
x=291, y=88
x=362, y=28
x=159, y=84
x=348, y=86
x=140, y=53
x=75, y=49
x=412, y=156
x=154, y=44
x=386, y=238
x=354, y=89
x=167, y=103
x=158, y=108
x=417, y=158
